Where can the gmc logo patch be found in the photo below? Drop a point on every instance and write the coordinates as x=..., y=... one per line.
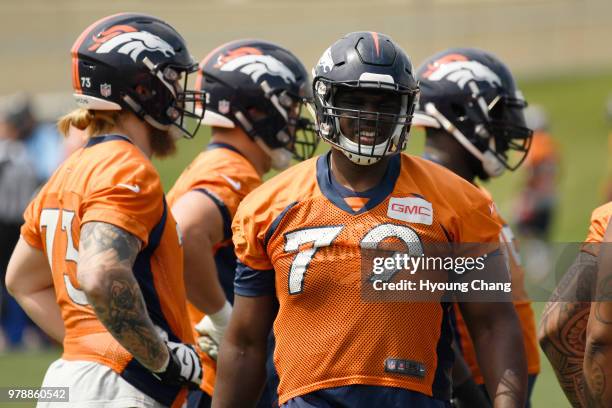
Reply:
x=410, y=209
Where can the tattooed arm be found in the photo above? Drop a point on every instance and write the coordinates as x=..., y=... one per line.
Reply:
x=563, y=325
x=106, y=257
x=598, y=353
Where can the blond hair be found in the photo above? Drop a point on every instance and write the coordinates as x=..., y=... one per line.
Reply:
x=93, y=122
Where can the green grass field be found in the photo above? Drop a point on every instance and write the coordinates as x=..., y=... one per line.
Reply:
x=576, y=106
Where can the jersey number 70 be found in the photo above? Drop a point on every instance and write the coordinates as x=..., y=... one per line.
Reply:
x=324, y=236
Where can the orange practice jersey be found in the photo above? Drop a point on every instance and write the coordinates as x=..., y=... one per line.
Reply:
x=521, y=303
x=110, y=180
x=298, y=239
x=226, y=177
x=600, y=218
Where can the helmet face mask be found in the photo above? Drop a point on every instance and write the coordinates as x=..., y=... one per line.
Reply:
x=366, y=122
x=364, y=106
x=186, y=111
x=472, y=95
x=168, y=95
x=303, y=140
x=507, y=126
x=139, y=63
x=263, y=89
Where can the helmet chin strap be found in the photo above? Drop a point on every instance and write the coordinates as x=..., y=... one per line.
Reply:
x=490, y=163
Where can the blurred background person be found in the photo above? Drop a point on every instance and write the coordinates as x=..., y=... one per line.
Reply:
x=43, y=143
x=18, y=182
x=538, y=196
x=31, y=148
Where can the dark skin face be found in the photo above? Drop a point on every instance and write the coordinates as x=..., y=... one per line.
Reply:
x=347, y=173
x=370, y=101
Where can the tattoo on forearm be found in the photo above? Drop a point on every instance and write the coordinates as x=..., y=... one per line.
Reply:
x=99, y=237
x=125, y=317
x=595, y=386
x=120, y=305
x=604, y=296
x=564, y=325
x=598, y=354
x=566, y=351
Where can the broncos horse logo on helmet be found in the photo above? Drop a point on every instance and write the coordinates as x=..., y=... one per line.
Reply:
x=137, y=62
x=261, y=88
x=130, y=41
x=472, y=95
x=257, y=65
x=462, y=72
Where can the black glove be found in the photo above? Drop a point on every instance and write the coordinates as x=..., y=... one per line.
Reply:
x=184, y=368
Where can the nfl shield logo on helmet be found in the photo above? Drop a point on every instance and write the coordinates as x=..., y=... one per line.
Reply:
x=224, y=107
x=105, y=90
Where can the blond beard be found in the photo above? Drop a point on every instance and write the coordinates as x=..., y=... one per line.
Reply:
x=162, y=144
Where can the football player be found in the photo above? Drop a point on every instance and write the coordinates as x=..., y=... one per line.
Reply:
x=598, y=351
x=538, y=198
x=563, y=326
x=299, y=238
x=472, y=113
x=536, y=203
x=256, y=91
x=99, y=265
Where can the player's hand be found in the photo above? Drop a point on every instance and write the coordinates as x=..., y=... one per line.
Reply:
x=184, y=368
x=211, y=330
x=209, y=346
x=469, y=395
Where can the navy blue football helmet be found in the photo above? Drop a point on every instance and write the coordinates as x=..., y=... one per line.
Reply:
x=139, y=63
x=262, y=88
x=472, y=95
x=367, y=61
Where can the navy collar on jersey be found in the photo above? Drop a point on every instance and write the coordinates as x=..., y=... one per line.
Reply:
x=335, y=192
x=218, y=145
x=106, y=138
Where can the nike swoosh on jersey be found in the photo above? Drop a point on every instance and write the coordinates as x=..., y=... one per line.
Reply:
x=235, y=184
x=133, y=187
